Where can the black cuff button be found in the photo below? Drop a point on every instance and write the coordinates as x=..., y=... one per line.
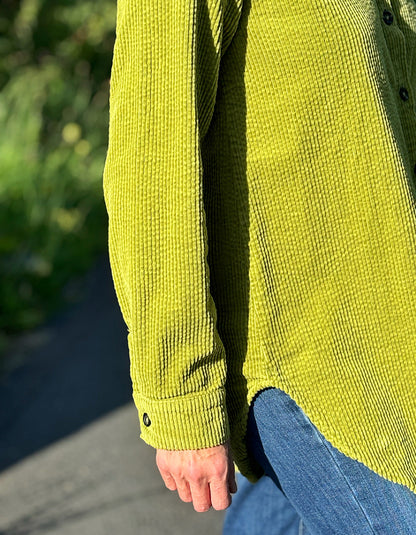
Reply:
x=146, y=419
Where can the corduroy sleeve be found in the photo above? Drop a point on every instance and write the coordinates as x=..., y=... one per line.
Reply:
x=163, y=87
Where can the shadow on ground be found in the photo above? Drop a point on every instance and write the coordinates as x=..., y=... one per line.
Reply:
x=71, y=457
x=71, y=371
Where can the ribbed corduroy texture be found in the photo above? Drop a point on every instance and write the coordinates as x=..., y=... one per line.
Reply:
x=260, y=188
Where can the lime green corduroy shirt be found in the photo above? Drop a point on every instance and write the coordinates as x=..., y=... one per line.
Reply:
x=260, y=188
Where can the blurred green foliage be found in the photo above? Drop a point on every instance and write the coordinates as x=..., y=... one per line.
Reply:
x=55, y=60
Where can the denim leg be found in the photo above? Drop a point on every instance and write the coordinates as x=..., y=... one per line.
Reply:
x=260, y=509
x=332, y=493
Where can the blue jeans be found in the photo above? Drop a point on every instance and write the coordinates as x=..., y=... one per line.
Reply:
x=309, y=487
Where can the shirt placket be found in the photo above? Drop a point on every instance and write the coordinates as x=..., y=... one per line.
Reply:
x=399, y=26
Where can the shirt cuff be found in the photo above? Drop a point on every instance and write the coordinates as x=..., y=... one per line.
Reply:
x=183, y=423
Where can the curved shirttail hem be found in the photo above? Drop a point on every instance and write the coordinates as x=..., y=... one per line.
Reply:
x=248, y=466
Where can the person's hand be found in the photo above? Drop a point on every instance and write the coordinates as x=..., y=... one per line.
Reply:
x=205, y=477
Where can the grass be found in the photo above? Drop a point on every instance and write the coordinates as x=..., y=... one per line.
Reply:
x=54, y=80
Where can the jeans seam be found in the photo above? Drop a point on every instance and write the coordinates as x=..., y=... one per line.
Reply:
x=341, y=472
x=317, y=433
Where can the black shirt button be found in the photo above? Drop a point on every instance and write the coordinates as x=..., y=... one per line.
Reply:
x=387, y=17
x=404, y=95
x=146, y=419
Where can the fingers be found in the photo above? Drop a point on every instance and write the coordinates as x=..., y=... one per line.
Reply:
x=168, y=479
x=178, y=484
x=205, y=477
x=220, y=495
x=201, y=497
x=201, y=493
x=184, y=490
x=215, y=494
x=173, y=481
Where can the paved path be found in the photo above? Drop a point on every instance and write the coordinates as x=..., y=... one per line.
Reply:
x=71, y=460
